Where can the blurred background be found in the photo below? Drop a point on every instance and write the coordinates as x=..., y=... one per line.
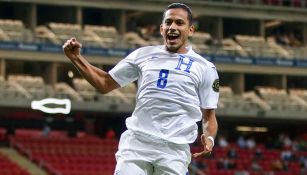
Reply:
x=258, y=46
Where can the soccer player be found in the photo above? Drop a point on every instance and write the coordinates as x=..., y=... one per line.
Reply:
x=176, y=88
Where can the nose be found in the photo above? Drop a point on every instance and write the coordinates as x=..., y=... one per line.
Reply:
x=173, y=26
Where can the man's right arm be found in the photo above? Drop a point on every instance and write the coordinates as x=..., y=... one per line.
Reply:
x=98, y=78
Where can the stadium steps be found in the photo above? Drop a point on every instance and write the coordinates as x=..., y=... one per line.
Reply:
x=14, y=156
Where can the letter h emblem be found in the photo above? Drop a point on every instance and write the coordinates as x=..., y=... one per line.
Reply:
x=181, y=62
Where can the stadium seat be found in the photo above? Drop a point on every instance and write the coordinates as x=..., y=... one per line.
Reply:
x=86, y=155
x=2, y=134
x=238, y=104
x=13, y=30
x=103, y=36
x=7, y=167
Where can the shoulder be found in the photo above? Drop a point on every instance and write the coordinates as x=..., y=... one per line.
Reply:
x=142, y=54
x=144, y=51
x=202, y=60
x=147, y=49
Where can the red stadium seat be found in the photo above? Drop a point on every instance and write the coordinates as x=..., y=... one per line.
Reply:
x=27, y=133
x=85, y=155
x=7, y=167
x=2, y=134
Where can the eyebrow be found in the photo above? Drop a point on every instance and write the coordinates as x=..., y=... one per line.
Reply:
x=178, y=19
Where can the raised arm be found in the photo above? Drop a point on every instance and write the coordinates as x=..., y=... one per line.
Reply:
x=98, y=78
x=210, y=127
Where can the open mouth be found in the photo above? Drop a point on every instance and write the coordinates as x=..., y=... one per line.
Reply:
x=172, y=37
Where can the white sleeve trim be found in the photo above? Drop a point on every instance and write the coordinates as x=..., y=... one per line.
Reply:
x=209, y=107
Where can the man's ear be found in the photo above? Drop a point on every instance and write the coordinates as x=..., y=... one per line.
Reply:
x=191, y=30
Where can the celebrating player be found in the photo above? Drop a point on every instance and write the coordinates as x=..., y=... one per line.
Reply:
x=176, y=88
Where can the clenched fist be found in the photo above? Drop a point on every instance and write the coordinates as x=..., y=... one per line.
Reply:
x=72, y=48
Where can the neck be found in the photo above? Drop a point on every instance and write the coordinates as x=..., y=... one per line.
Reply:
x=182, y=50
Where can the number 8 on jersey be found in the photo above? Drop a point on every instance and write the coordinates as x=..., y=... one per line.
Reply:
x=162, y=81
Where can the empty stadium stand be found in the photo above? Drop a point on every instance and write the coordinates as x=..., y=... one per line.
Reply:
x=12, y=90
x=58, y=154
x=268, y=101
x=259, y=47
x=239, y=105
x=299, y=94
x=107, y=37
x=281, y=103
x=7, y=167
x=11, y=30
x=33, y=86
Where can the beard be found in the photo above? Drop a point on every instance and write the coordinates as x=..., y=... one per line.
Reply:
x=172, y=48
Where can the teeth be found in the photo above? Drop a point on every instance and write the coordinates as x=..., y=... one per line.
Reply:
x=172, y=34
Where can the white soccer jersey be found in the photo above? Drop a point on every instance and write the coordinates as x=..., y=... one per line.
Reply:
x=171, y=89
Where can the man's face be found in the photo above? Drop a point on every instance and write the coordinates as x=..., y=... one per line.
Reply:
x=176, y=29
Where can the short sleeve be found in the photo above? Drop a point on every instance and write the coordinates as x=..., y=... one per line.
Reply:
x=209, y=89
x=126, y=71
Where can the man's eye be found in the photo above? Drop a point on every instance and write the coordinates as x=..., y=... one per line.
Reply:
x=168, y=22
x=179, y=22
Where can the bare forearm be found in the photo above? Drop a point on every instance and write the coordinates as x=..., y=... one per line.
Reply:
x=209, y=126
x=96, y=77
x=209, y=123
